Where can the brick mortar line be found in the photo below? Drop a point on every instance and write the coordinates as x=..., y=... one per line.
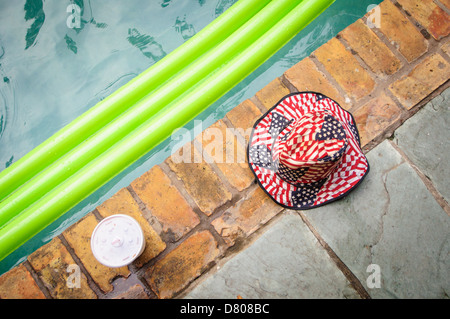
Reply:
x=226, y=251
x=331, y=79
x=205, y=224
x=91, y=282
x=382, y=81
x=147, y=288
x=171, y=246
x=391, y=95
x=179, y=185
x=444, y=55
x=438, y=91
x=423, y=30
x=382, y=84
x=138, y=280
x=234, y=200
x=386, y=134
x=155, y=224
x=230, y=252
x=38, y=280
x=383, y=38
x=377, y=78
x=432, y=42
x=146, y=212
x=243, y=143
x=413, y=21
x=427, y=181
x=211, y=163
x=240, y=138
x=203, y=271
x=288, y=84
x=258, y=104
x=354, y=105
x=442, y=6
x=96, y=214
x=405, y=115
x=349, y=275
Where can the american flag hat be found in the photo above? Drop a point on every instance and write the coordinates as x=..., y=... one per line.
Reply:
x=305, y=151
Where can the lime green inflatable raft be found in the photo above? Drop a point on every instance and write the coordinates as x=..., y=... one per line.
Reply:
x=90, y=151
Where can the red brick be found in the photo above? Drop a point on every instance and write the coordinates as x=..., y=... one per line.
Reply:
x=375, y=117
x=51, y=263
x=272, y=93
x=181, y=266
x=224, y=149
x=201, y=182
x=429, y=15
x=19, y=284
x=422, y=81
x=79, y=238
x=246, y=216
x=446, y=3
x=165, y=203
x=345, y=69
x=401, y=32
x=244, y=117
x=371, y=49
x=305, y=76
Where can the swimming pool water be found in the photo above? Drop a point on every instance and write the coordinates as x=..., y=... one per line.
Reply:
x=51, y=73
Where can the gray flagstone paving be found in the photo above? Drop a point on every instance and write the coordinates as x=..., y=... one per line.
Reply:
x=390, y=232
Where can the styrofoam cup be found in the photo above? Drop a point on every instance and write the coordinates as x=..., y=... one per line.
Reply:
x=117, y=241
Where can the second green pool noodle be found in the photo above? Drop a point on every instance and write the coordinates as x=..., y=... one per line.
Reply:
x=106, y=110
x=155, y=130
x=175, y=88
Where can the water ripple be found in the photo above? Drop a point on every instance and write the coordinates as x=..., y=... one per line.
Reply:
x=7, y=105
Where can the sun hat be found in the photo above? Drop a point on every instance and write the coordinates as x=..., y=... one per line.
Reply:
x=305, y=151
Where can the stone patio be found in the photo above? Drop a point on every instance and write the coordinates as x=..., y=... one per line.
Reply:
x=392, y=220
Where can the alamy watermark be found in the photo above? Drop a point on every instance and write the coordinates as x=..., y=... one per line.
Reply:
x=74, y=278
x=374, y=279
x=217, y=145
x=373, y=16
x=74, y=19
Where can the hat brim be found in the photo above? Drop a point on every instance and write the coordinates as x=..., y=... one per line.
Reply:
x=350, y=172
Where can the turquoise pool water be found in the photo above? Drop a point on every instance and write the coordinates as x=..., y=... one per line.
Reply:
x=51, y=73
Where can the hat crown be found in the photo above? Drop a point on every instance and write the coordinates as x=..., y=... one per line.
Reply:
x=309, y=148
x=305, y=151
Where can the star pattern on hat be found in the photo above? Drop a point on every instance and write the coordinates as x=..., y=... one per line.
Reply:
x=320, y=97
x=331, y=129
x=307, y=186
x=305, y=194
x=332, y=158
x=278, y=123
x=260, y=155
x=285, y=136
x=290, y=175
